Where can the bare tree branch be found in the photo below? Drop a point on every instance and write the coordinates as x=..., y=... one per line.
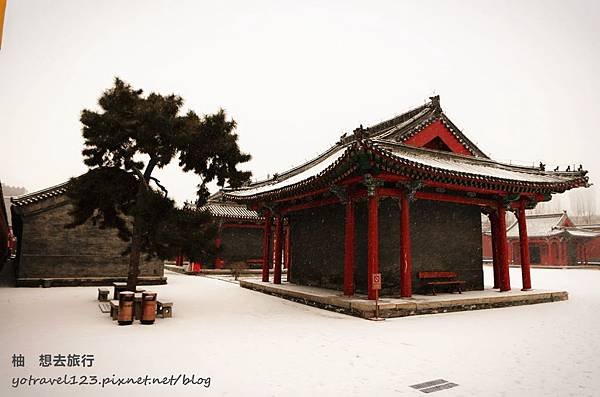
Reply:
x=161, y=187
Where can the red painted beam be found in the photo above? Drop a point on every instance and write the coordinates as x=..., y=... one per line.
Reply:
x=434, y=196
x=388, y=177
x=349, y=243
x=304, y=195
x=372, y=244
x=524, y=245
x=405, y=258
x=455, y=199
x=277, y=243
x=266, y=250
x=357, y=194
x=351, y=180
x=242, y=226
x=311, y=204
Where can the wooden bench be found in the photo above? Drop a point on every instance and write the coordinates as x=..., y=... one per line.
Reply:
x=114, y=310
x=254, y=263
x=103, y=294
x=164, y=309
x=435, y=279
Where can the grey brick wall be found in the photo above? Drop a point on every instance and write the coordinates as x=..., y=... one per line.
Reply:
x=49, y=250
x=317, y=246
x=240, y=244
x=444, y=237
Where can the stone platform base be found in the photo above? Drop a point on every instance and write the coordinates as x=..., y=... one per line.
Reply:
x=359, y=306
x=205, y=272
x=84, y=281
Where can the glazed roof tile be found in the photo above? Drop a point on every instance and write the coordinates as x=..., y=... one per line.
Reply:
x=231, y=211
x=473, y=166
x=427, y=160
x=40, y=195
x=550, y=225
x=543, y=225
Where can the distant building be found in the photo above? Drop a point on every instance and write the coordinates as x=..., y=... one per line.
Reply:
x=50, y=254
x=554, y=240
x=240, y=233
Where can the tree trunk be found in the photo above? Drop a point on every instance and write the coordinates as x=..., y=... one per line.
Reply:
x=133, y=270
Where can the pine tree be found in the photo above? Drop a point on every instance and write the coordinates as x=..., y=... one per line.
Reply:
x=125, y=142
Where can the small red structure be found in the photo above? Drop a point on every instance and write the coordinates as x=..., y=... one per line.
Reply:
x=553, y=240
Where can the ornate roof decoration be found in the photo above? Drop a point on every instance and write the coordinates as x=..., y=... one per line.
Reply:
x=407, y=125
x=426, y=164
x=40, y=195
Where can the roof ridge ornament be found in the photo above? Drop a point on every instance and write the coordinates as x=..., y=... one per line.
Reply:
x=361, y=133
x=435, y=101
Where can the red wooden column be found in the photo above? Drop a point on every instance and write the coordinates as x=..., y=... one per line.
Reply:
x=266, y=250
x=524, y=245
x=349, y=249
x=495, y=252
x=373, y=242
x=277, y=243
x=218, y=260
x=405, y=263
x=503, y=249
x=286, y=251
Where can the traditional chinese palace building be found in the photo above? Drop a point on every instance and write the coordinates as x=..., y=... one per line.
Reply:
x=400, y=197
x=554, y=240
x=240, y=233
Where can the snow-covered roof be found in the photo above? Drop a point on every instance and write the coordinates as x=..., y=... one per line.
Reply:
x=542, y=225
x=430, y=162
x=300, y=174
x=383, y=146
x=40, y=195
x=473, y=166
x=582, y=233
x=549, y=225
x=231, y=211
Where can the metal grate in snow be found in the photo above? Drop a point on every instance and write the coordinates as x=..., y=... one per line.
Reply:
x=434, y=385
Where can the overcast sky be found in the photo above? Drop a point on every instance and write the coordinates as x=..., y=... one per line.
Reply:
x=520, y=78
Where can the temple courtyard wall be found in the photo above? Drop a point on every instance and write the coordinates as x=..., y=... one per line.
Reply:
x=241, y=243
x=51, y=255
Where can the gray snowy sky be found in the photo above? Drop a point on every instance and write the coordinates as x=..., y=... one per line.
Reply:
x=518, y=77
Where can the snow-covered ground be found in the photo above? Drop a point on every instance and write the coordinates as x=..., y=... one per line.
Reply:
x=254, y=344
